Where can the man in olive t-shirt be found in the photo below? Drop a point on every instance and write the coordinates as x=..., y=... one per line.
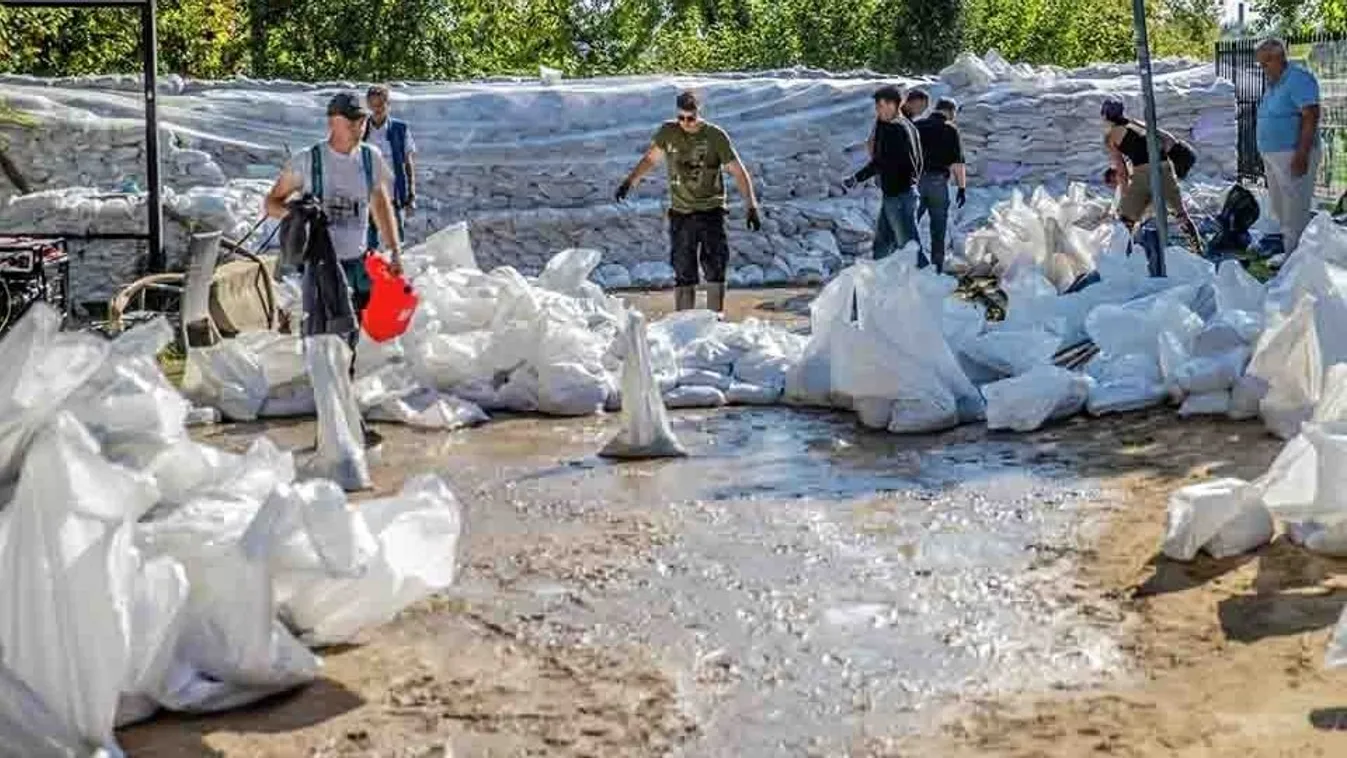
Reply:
x=697, y=153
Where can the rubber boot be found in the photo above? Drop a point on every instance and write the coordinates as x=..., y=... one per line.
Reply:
x=685, y=298
x=715, y=297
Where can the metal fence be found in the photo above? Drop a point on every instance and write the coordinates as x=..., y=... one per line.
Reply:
x=1326, y=57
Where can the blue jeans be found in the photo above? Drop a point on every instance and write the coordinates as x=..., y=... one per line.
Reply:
x=934, y=191
x=897, y=225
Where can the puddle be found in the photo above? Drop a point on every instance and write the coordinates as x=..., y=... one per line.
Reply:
x=811, y=583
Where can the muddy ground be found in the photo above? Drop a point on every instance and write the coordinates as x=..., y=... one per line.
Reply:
x=802, y=587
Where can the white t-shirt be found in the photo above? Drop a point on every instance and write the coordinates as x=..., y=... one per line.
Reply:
x=345, y=195
x=378, y=135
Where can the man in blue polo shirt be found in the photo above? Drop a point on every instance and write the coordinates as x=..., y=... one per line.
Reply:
x=1288, y=139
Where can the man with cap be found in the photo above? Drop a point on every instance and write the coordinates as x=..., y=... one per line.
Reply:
x=395, y=141
x=942, y=159
x=350, y=180
x=698, y=152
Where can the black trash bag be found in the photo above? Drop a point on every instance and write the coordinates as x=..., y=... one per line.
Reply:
x=1238, y=215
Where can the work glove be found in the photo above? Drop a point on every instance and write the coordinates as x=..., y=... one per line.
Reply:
x=963, y=197
x=849, y=183
x=623, y=190
x=754, y=222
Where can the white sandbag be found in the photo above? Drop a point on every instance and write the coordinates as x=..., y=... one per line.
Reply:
x=43, y=367
x=1237, y=290
x=763, y=368
x=417, y=533
x=926, y=407
x=1329, y=441
x=1337, y=646
x=694, y=397
x=233, y=650
x=429, y=409
x=1323, y=538
x=1012, y=352
x=742, y=393
x=1026, y=402
x=159, y=599
x=340, y=454
x=571, y=389
x=1215, y=403
x=1246, y=397
x=1226, y=331
x=1332, y=405
x=227, y=376
x=1129, y=383
x=809, y=382
x=29, y=729
x=1289, y=486
x=568, y=269
x=1224, y=516
x=69, y=567
x=873, y=412
x=709, y=353
x=447, y=249
x=645, y=423
x=699, y=377
x=1289, y=360
x=1134, y=328
x=519, y=393
x=1204, y=375
x=128, y=404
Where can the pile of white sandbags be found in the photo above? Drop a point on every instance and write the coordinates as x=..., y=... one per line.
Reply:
x=1027, y=124
x=99, y=268
x=530, y=186
x=145, y=570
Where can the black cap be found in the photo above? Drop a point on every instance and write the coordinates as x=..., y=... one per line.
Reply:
x=346, y=104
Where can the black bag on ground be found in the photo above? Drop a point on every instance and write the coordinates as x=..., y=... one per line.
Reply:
x=1238, y=215
x=1183, y=158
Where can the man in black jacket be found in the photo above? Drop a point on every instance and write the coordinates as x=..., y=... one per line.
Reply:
x=942, y=156
x=897, y=162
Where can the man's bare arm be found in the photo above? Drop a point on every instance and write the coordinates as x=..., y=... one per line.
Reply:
x=386, y=222
x=743, y=181
x=648, y=161
x=286, y=185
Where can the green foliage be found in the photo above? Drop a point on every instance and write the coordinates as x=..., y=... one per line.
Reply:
x=453, y=39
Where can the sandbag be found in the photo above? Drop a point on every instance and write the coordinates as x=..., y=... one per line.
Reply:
x=416, y=555
x=1129, y=383
x=43, y=367
x=694, y=397
x=1012, y=352
x=1216, y=403
x=1225, y=517
x=741, y=393
x=645, y=423
x=1289, y=360
x=1026, y=402
x=340, y=454
x=1237, y=290
x=1204, y=375
x=69, y=566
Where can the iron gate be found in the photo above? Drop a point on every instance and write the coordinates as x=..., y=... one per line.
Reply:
x=1326, y=57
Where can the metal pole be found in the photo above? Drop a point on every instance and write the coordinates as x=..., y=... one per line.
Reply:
x=1157, y=265
x=150, y=49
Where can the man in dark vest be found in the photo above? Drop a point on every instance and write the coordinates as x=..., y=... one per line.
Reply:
x=394, y=140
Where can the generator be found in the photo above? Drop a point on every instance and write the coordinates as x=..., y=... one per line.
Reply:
x=32, y=270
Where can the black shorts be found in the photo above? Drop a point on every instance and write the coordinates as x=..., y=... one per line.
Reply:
x=698, y=239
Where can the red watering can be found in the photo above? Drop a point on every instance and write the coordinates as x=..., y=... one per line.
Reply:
x=391, y=302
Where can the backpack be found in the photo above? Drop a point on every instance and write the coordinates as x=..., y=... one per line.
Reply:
x=316, y=168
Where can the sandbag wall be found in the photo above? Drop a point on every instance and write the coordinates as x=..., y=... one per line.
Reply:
x=532, y=167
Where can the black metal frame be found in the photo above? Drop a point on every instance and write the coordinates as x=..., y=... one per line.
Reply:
x=154, y=236
x=1235, y=61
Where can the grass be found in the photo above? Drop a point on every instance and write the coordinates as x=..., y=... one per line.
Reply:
x=173, y=361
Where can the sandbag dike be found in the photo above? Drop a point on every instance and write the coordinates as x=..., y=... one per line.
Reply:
x=532, y=167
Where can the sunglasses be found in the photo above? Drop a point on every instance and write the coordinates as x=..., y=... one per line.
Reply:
x=686, y=119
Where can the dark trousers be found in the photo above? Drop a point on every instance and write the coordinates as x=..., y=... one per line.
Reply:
x=697, y=241
x=934, y=190
x=359, y=283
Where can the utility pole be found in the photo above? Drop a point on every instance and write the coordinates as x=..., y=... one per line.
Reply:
x=1157, y=262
